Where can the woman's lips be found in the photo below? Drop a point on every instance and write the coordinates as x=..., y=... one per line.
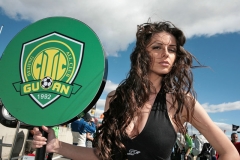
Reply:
x=164, y=63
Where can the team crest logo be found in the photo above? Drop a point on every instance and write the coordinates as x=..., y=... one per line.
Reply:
x=49, y=66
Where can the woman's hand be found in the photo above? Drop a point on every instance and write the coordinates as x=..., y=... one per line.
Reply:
x=62, y=148
x=38, y=139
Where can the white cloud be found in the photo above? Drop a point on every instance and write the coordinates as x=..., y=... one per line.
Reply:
x=224, y=126
x=212, y=108
x=110, y=86
x=115, y=22
x=100, y=104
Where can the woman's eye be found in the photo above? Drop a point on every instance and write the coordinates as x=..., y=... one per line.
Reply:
x=156, y=47
x=172, y=50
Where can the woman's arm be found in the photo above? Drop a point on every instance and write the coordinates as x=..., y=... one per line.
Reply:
x=202, y=122
x=65, y=149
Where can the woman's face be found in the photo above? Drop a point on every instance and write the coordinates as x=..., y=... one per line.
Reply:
x=162, y=49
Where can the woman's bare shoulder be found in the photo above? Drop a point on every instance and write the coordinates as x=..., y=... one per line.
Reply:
x=172, y=103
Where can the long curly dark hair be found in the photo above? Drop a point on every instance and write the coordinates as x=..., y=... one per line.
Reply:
x=133, y=92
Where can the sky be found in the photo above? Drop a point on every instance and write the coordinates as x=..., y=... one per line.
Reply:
x=212, y=30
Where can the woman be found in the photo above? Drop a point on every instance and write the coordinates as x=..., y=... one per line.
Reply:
x=150, y=106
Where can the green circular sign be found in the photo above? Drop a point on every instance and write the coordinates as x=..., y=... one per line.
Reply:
x=51, y=71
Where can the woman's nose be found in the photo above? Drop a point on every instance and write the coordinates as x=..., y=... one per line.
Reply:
x=165, y=52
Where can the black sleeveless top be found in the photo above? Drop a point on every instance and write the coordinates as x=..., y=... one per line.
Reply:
x=157, y=138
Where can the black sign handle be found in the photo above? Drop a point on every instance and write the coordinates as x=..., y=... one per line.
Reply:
x=41, y=152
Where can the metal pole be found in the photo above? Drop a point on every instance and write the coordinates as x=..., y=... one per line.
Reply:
x=41, y=152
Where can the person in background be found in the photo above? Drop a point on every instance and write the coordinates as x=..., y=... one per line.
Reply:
x=149, y=107
x=207, y=153
x=202, y=139
x=234, y=140
x=90, y=136
x=176, y=155
x=80, y=127
x=185, y=144
x=89, y=140
x=180, y=141
x=188, y=147
x=197, y=147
